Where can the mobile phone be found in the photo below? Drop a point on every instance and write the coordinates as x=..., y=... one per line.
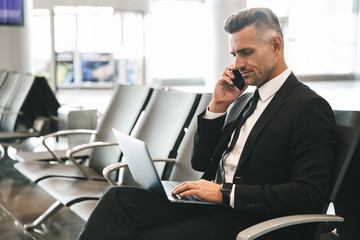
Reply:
x=239, y=81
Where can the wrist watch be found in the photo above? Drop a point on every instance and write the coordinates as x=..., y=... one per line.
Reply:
x=225, y=191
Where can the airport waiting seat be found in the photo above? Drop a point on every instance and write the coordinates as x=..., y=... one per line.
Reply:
x=7, y=91
x=347, y=200
x=43, y=102
x=179, y=167
x=124, y=109
x=347, y=150
x=15, y=99
x=17, y=121
x=3, y=75
x=160, y=125
x=40, y=101
x=9, y=84
x=12, y=98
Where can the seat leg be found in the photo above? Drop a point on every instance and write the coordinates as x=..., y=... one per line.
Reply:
x=54, y=208
x=2, y=152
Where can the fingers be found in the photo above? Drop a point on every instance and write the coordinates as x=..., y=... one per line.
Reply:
x=201, y=189
x=228, y=75
x=185, y=186
x=229, y=72
x=188, y=188
x=191, y=192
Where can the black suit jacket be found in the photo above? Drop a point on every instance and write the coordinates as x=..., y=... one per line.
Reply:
x=286, y=162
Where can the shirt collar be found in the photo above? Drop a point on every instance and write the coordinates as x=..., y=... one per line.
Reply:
x=271, y=87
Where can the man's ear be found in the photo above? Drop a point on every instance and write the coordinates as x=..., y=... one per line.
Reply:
x=276, y=44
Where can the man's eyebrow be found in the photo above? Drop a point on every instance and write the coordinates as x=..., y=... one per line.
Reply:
x=242, y=50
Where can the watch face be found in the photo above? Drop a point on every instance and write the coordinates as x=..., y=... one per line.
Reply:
x=226, y=186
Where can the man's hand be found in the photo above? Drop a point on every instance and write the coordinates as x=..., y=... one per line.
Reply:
x=225, y=91
x=202, y=189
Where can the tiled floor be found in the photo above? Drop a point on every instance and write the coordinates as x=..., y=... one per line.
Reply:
x=22, y=201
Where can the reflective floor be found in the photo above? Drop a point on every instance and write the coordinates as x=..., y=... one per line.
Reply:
x=22, y=202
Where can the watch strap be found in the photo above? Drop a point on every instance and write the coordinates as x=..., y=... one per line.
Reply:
x=225, y=191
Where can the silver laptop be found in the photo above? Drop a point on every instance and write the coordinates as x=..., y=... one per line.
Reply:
x=144, y=172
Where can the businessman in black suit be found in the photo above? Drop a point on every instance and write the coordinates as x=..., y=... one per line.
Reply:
x=277, y=163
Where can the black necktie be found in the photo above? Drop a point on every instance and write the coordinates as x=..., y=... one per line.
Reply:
x=246, y=114
x=241, y=121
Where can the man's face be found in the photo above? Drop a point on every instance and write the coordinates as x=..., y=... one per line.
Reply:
x=253, y=57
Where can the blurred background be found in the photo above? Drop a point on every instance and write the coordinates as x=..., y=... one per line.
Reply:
x=84, y=48
x=92, y=45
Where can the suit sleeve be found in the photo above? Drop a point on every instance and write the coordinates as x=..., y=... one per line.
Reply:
x=206, y=139
x=310, y=157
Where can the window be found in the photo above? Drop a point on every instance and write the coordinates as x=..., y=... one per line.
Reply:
x=94, y=46
x=41, y=42
x=177, y=45
x=65, y=45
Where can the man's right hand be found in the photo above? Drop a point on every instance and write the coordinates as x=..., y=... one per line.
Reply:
x=225, y=92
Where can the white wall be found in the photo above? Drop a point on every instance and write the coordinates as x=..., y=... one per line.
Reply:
x=15, y=52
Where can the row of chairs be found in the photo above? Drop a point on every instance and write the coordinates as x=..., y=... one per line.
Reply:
x=166, y=121
x=28, y=107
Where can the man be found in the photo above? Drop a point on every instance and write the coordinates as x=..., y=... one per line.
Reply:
x=277, y=163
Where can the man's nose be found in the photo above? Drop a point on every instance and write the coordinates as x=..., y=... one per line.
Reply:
x=239, y=63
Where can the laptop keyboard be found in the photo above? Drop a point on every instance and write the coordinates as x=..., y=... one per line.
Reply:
x=168, y=186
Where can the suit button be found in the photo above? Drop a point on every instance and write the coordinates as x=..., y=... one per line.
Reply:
x=237, y=180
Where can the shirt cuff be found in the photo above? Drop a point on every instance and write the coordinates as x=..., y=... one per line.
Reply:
x=212, y=115
x=232, y=197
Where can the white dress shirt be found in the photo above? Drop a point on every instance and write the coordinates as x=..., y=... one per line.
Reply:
x=266, y=92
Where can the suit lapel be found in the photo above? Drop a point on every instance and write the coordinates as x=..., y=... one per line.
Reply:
x=274, y=106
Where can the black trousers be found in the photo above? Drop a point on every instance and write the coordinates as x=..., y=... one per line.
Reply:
x=136, y=213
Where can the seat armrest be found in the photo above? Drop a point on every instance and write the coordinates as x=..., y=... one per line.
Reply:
x=276, y=223
x=167, y=160
x=11, y=112
x=115, y=166
x=109, y=169
x=63, y=133
x=70, y=153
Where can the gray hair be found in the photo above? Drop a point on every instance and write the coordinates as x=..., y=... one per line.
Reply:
x=265, y=21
